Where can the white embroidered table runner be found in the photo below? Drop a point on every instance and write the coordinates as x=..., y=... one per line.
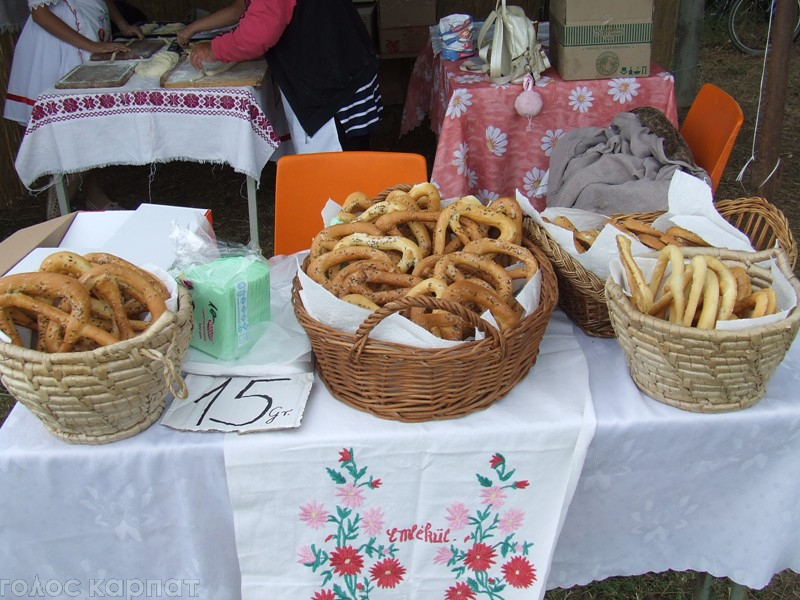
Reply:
x=352, y=506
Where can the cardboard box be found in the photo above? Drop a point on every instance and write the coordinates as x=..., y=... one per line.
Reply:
x=601, y=11
x=394, y=14
x=402, y=42
x=601, y=39
x=96, y=231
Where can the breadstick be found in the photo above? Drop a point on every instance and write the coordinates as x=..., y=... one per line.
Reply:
x=708, y=315
x=699, y=268
x=727, y=287
x=641, y=295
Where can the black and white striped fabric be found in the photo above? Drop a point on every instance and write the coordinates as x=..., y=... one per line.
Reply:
x=364, y=111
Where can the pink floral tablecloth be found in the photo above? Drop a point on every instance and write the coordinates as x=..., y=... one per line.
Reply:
x=486, y=149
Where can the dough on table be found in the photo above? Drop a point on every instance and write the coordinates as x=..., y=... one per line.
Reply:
x=148, y=28
x=214, y=68
x=169, y=28
x=157, y=65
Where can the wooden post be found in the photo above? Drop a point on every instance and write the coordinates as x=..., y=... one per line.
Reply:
x=766, y=170
x=688, y=33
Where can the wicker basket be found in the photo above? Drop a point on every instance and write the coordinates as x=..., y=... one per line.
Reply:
x=402, y=383
x=581, y=292
x=703, y=370
x=106, y=394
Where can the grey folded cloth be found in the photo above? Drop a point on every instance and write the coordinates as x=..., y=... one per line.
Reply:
x=623, y=168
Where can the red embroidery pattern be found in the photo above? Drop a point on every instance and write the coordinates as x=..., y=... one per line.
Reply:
x=226, y=102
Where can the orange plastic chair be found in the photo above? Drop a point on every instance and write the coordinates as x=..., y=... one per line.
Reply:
x=710, y=129
x=305, y=182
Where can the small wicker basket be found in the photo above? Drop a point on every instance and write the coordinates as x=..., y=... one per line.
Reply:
x=581, y=292
x=107, y=394
x=402, y=383
x=703, y=370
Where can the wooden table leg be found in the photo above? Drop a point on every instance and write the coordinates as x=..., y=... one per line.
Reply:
x=61, y=192
x=702, y=586
x=252, y=207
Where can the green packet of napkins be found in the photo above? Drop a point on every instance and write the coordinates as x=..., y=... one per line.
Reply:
x=231, y=298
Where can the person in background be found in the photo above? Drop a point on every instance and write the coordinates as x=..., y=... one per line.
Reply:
x=58, y=36
x=320, y=56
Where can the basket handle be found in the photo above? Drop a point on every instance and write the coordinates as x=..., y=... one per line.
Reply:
x=363, y=331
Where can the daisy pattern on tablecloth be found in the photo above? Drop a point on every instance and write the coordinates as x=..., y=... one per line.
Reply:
x=550, y=139
x=545, y=80
x=460, y=158
x=623, y=89
x=666, y=75
x=535, y=182
x=469, y=78
x=486, y=196
x=496, y=140
x=460, y=101
x=472, y=178
x=581, y=99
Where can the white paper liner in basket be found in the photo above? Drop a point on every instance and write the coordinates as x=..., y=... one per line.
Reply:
x=690, y=205
x=329, y=310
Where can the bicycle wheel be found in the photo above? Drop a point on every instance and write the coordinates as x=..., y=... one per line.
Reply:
x=748, y=25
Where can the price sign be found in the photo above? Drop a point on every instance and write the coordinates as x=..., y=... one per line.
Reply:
x=240, y=404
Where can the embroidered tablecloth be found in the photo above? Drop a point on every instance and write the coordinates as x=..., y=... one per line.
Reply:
x=462, y=508
x=486, y=149
x=138, y=124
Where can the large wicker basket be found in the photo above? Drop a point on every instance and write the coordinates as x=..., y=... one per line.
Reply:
x=402, y=383
x=581, y=292
x=107, y=394
x=703, y=370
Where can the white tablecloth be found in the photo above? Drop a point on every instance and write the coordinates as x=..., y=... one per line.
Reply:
x=140, y=123
x=660, y=489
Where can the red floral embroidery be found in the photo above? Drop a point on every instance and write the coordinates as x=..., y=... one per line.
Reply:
x=227, y=102
x=346, y=561
x=156, y=98
x=191, y=100
x=71, y=105
x=460, y=591
x=519, y=573
x=387, y=573
x=140, y=98
x=496, y=461
x=521, y=485
x=324, y=595
x=107, y=101
x=480, y=557
x=344, y=455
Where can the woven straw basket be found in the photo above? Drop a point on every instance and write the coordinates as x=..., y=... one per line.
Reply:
x=703, y=370
x=107, y=394
x=403, y=383
x=581, y=292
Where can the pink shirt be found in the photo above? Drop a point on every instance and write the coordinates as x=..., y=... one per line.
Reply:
x=259, y=29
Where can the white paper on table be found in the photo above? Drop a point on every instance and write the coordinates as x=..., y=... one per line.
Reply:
x=601, y=252
x=241, y=404
x=785, y=295
x=691, y=206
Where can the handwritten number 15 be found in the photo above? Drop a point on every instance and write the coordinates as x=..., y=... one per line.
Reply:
x=216, y=392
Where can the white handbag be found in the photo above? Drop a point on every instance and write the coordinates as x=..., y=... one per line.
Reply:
x=507, y=47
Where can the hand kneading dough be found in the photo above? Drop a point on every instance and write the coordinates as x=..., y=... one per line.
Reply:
x=158, y=65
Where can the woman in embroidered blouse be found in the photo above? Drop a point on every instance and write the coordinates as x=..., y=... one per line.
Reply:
x=58, y=36
x=321, y=57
